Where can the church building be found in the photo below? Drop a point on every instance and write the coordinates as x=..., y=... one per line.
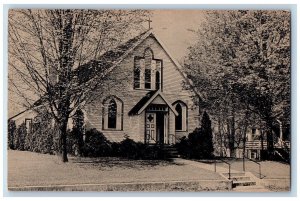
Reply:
x=150, y=102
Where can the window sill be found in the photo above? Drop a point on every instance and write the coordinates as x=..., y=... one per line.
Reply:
x=140, y=89
x=111, y=129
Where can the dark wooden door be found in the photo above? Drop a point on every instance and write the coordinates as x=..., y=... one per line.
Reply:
x=160, y=119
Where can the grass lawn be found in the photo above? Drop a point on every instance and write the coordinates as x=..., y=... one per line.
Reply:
x=33, y=169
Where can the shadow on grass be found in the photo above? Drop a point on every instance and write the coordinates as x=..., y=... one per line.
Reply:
x=115, y=162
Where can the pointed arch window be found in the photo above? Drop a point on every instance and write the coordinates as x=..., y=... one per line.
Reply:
x=181, y=118
x=148, y=62
x=112, y=114
x=137, y=74
x=157, y=80
x=147, y=73
x=112, y=117
x=178, y=119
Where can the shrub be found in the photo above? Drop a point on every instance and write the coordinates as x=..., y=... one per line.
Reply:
x=72, y=145
x=41, y=138
x=199, y=143
x=115, y=149
x=96, y=144
x=78, y=132
x=21, y=133
x=129, y=148
x=207, y=138
x=11, y=133
x=184, y=147
x=153, y=152
x=137, y=150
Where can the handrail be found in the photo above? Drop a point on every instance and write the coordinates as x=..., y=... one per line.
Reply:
x=259, y=165
x=173, y=138
x=229, y=167
x=148, y=138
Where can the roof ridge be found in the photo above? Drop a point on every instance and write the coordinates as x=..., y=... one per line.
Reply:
x=137, y=37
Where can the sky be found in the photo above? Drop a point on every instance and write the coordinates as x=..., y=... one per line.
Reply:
x=173, y=27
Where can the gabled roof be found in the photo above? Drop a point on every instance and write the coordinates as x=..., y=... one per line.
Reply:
x=147, y=100
x=109, y=60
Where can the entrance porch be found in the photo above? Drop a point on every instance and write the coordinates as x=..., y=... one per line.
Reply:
x=159, y=119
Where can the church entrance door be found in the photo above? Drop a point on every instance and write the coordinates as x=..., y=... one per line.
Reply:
x=156, y=128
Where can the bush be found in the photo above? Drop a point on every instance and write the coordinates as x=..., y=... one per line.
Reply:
x=184, y=147
x=39, y=139
x=11, y=133
x=129, y=148
x=199, y=143
x=20, y=137
x=96, y=144
x=72, y=145
x=77, y=132
x=154, y=152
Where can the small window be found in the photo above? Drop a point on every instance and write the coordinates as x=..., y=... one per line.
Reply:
x=28, y=123
x=181, y=119
x=147, y=78
x=137, y=73
x=112, y=114
x=157, y=79
x=178, y=120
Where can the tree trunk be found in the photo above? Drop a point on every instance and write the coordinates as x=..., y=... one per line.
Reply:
x=232, y=136
x=270, y=143
x=245, y=133
x=63, y=140
x=220, y=135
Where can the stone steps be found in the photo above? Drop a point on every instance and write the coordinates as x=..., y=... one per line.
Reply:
x=243, y=183
x=234, y=174
x=241, y=178
x=255, y=188
x=170, y=152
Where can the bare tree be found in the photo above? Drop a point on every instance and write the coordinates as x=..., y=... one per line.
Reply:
x=49, y=49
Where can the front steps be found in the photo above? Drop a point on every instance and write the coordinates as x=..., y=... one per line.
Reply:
x=250, y=189
x=244, y=183
x=170, y=151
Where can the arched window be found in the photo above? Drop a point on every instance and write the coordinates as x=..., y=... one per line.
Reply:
x=147, y=72
x=112, y=117
x=181, y=118
x=137, y=73
x=178, y=119
x=157, y=79
x=112, y=114
x=148, y=62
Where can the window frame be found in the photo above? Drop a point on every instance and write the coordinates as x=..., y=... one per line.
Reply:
x=184, y=108
x=142, y=73
x=119, y=113
x=112, y=107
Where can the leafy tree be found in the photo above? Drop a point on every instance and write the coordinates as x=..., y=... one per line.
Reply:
x=241, y=62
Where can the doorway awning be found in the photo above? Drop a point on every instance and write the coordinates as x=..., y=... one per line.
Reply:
x=148, y=99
